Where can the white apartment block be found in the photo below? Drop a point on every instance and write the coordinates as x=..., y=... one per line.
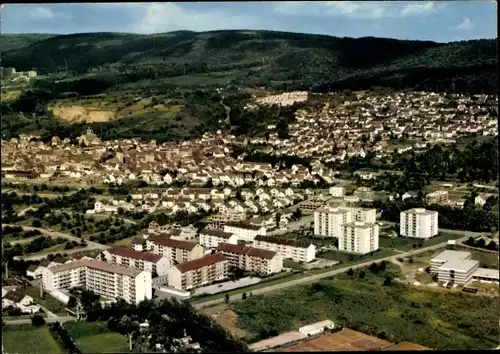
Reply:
x=300, y=252
x=199, y=272
x=419, y=223
x=126, y=257
x=252, y=259
x=359, y=237
x=337, y=191
x=212, y=238
x=176, y=251
x=243, y=231
x=108, y=280
x=328, y=221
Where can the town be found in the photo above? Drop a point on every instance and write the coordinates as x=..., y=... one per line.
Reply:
x=222, y=219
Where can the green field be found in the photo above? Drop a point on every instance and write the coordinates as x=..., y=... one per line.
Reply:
x=406, y=244
x=26, y=339
x=432, y=317
x=48, y=301
x=346, y=258
x=95, y=337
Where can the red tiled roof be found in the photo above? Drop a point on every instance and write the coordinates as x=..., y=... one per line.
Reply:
x=129, y=253
x=282, y=241
x=250, y=251
x=200, y=262
x=216, y=233
x=168, y=242
x=15, y=296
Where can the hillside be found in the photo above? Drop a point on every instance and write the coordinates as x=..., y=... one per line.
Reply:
x=277, y=60
x=10, y=42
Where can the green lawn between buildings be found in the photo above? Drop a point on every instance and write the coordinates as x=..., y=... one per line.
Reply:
x=26, y=339
x=95, y=337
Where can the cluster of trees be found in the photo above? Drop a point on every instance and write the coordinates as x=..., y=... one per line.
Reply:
x=468, y=218
x=282, y=161
x=36, y=245
x=63, y=336
x=481, y=243
x=168, y=319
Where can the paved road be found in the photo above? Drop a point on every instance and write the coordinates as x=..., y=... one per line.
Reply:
x=47, y=320
x=91, y=245
x=478, y=249
x=324, y=275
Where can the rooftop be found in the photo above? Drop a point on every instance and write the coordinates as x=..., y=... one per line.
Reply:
x=216, y=233
x=168, y=242
x=450, y=255
x=283, y=241
x=200, y=262
x=459, y=265
x=250, y=251
x=487, y=273
x=130, y=253
x=95, y=264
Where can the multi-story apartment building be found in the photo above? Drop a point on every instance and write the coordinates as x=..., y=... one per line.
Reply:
x=337, y=191
x=298, y=251
x=419, y=223
x=199, y=272
x=108, y=280
x=328, y=221
x=252, y=259
x=437, y=197
x=150, y=262
x=244, y=231
x=212, y=238
x=359, y=237
x=177, y=251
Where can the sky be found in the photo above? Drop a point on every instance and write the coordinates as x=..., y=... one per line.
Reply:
x=440, y=21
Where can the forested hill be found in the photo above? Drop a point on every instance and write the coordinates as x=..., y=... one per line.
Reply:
x=276, y=60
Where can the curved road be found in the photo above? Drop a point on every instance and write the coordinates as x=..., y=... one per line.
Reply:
x=90, y=245
x=331, y=273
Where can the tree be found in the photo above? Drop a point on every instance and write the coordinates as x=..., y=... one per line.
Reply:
x=388, y=280
x=350, y=272
x=278, y=219
x=37, y=320
x=362, y=274
x=36, y=223
x=226, y=298
x=244, y=296
x=481, y=243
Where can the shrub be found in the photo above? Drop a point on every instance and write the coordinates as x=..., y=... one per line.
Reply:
x=37, y=320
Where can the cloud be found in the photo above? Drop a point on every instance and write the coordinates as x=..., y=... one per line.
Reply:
x=39, y=13
x=164, y=17
x=360, y=10
x=465, y=25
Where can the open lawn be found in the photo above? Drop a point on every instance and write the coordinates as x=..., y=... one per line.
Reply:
x=26, y=339
x=95, y=337
x=406, y=244
x=48, y=301
x=225, y=317
x=397, y=312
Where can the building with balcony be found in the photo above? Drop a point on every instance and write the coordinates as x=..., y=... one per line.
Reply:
x=359, y=237
x=150, y=262
x=244, y=231
x=419, y=223
x=198, y=272
x=212, y=238
x=177, y=251
x=328, y=221
x=108, y=280
x=252, y=259
x=298, y=251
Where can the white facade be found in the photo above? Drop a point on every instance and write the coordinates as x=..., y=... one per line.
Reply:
x=199, y=272
x=447, y=256
x=419, y=223
x=460, y=271
x=337, y=191
x=359, y=237
x=152, y=263
x=244, y=232
x=328, y=221
x=296, y=251
x=316, y=328
x=212, y=238
x=109, y=280
x=252, y=259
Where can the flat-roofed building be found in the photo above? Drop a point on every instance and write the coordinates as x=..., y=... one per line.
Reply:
x=252, y=259
x=199, y=272
x=244, y=231
x=337, y=191
x=153, y=263
x=458, y=271
x=437, y=197
x=419, y=223
x=177, y=251
x=212, y=238
x=298, y=251
x=328, y=221
x=108, y=280
x=487, y=275
x=359, y=237
x=447, y=256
